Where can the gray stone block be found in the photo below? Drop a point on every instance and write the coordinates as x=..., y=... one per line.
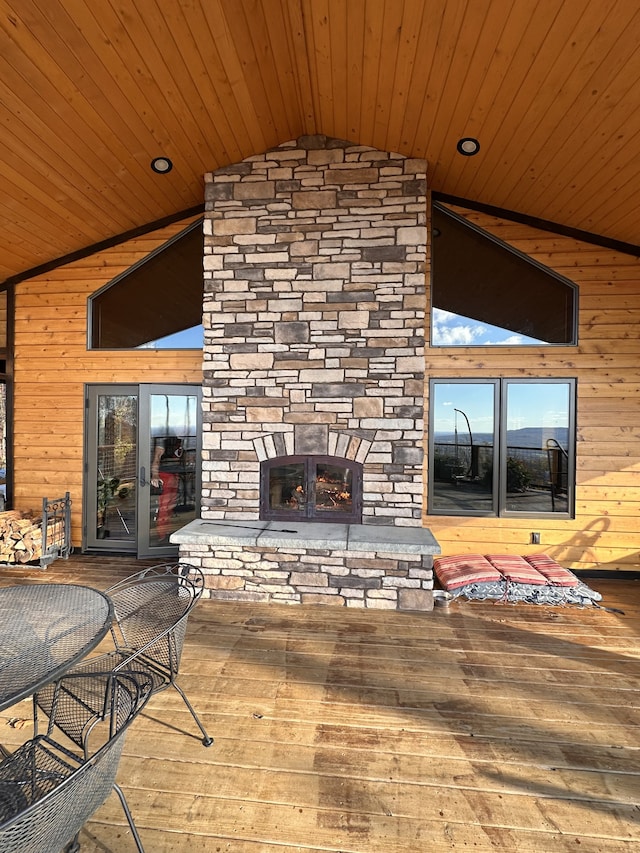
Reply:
x=295, y=332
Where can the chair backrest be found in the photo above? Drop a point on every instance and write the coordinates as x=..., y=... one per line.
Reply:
x=151, y=610
x=47, y=793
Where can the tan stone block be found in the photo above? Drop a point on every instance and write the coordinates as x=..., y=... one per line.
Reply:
x=410, y=364
x=304, y=248
x=412, y=235
x=254, y=189
x=324, y=156
x=235, y=225
x=368, y=407
x=364, y=175
x=224, y=582
x=332, y=270
x=353, y=319
x=323, y=375
x=251, y=361
x=380, y=603
x=308, y=579
x=264, y=414
x=415, y=599
x=414, y=166
x=261, y=258
x=213, y=262
x=310, y=418
x=314, y=199
x=315, y=598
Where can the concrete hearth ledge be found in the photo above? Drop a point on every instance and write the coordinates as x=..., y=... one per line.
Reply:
x=283, y=534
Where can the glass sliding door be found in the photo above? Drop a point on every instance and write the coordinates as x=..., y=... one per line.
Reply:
x=111, y=483
x=170, y=454
x=142, y=471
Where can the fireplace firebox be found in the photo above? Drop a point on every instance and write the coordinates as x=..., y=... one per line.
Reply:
x=311, y=488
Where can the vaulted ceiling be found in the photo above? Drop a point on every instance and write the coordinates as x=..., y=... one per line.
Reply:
x=92, y=90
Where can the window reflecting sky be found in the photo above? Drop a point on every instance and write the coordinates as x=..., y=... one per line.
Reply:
x=454, y=330
x=187, y=339
x=529, y=405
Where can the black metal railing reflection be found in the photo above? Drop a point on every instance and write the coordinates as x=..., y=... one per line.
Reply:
x=527, y=467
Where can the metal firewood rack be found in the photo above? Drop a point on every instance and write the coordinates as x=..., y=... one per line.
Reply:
x=56, y=517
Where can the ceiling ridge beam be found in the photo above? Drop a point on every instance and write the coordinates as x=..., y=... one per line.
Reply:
x=543, y=224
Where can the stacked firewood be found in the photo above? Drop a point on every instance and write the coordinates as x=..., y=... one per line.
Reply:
x=21, y=536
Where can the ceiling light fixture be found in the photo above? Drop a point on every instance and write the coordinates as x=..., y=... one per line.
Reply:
x=161, y=165
x=468, y=146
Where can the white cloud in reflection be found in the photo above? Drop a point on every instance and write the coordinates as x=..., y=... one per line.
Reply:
x=453, y=330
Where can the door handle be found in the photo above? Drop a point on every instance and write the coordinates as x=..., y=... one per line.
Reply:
x=143, y=477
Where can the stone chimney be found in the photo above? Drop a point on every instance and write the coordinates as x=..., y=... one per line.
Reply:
x=314, y=318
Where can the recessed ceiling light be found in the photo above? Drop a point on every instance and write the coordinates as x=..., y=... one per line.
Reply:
x=468, y=146
x=161, y=165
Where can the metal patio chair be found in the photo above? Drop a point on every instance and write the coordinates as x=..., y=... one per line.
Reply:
x=151, y=612
x=47, y=792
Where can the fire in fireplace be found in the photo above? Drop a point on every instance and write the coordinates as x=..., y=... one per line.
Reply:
x=311, y=488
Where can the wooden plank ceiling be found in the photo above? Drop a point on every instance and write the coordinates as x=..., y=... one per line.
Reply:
x=92, y=90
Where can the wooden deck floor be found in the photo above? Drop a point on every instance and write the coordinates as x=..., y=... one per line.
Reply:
x=478, y=727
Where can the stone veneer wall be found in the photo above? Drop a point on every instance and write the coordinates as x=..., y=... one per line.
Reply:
x=314, y=322
x=376, y=579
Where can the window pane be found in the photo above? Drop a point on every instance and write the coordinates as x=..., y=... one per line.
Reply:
x=117, y=485
x=484, y=293
x=286, y=487
x=333, y=489
x=188, y=339
x=537, y=448
x=463, y=427
x=153, y=302
x=172, y=449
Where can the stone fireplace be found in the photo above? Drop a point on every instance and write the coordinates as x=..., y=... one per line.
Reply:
x=314, y=311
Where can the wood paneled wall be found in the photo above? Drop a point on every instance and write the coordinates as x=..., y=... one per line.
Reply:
x=605, y=533
x=52, y=365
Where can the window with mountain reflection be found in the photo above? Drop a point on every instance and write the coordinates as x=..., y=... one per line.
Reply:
x=502, y=447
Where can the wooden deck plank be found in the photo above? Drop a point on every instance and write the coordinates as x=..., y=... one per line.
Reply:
x=477, y=727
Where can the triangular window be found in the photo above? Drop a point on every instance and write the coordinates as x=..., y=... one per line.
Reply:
x=156, y=304
x=486, y=293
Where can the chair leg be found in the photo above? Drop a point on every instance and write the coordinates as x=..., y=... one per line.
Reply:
x=129, y=817
x=73, y=846
x=206, y=740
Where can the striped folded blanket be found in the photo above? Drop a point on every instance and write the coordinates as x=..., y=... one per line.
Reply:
x=536, y=570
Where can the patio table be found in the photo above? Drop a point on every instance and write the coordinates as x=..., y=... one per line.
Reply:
x=44, y=630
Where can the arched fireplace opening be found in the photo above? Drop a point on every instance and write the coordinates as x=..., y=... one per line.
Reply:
x=311, y=488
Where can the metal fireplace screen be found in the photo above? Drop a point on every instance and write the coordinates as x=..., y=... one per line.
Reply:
x=312, y=488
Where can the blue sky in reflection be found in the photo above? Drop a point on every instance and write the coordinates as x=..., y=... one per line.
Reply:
x=454, y=330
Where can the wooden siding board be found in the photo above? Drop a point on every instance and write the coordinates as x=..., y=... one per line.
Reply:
x=320, y=61
x=566, y=40
x=616, y=72
x=111, y=134
x=294, y=23
x=230, y=66
x=252, y=38
x=508, y=68
x=588, y=74
x=451, y=22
